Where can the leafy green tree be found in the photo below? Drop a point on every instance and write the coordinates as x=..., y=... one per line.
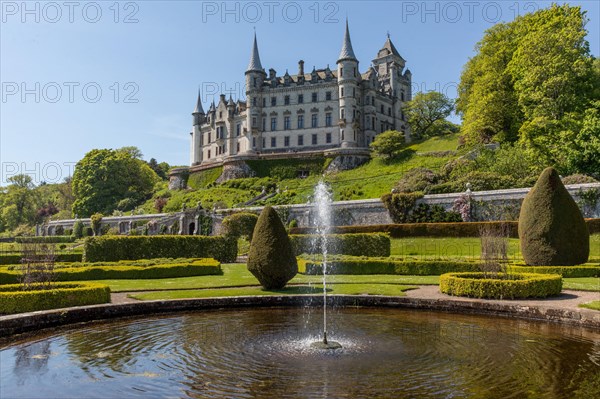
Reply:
x=105, y=177
x=427, y=113
x=388, y=144
x=534, y=81
x=161, y=169
x=20, y=202
x=134, y=151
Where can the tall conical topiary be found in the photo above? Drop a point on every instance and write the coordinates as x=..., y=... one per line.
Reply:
x=271, y=257
x=551, y=227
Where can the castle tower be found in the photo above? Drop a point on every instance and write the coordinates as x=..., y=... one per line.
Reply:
x=348, y=79
x=199, y=118
x=255, y=76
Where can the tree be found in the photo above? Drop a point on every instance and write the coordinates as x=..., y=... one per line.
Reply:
x=552, y=230
x=533, y=81
x=134, y=151
x=105, y=177
x=271, y=257
x=161, y=169
x=427, y=114
x=388, y=144
x=20, y=201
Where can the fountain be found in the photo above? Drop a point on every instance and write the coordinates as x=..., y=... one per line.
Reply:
x=322, y=223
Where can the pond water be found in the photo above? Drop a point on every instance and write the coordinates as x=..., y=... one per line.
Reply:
x=386, y=353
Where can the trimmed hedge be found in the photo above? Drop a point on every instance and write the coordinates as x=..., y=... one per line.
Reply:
x=458, y=229
x=63, y=295
x=202, y=267
x=565, y=271
x=16, y=259
x=46, y=239
x=374, y=245
x=519, y=285
x=115, y=248
x=386, y=266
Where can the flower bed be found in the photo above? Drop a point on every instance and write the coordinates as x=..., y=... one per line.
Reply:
x=517, y=285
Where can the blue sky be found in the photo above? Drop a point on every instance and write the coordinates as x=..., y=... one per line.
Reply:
x=111, y=74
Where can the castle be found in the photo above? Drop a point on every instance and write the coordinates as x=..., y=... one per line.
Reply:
x=323, y=110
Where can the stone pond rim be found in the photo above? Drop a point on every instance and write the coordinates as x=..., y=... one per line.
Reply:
x=34, y=321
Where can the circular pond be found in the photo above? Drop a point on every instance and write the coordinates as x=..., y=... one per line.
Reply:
x=386, y=353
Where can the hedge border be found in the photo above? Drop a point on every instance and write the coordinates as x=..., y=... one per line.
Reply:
x=386, y=266
x=16, y=259
x=564, y=271
x=115, y=248
x=520, y=285
x=362, y=244
x=458, y=229
x=46, y=239
x=203, y=267
x=63, y=295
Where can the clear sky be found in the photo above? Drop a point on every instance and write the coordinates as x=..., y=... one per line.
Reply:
x=82, y=75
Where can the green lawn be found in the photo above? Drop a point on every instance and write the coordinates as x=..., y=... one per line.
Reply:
x=348, y=289
x=582, y=284
x=595, y=305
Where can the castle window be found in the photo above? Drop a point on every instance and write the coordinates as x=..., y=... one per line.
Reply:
x=328, y=138
x=373, y=101
x=254, y=101
x=314, y=120
x=238, y=129
x=314, y=97
x=353, y=114
x=328, y=96
x=382, y=109
x=286, y=123
x=264, y=124
x=273, y=124
x=254, y=81
x=342, y=113
x=286, y=100
x=373, y=124
x=253, y=122
x=253, y=142
x=264, y=101
x=342, y=92
x=328, y=119
x=273, y=101
x=341, y=72
x=301, y=140
x=342, y=135
x=273, y=142
x=402, y=96
x=220, y=115
x=286, y=141
x=354, y=70
x=300, y=98
x=208, y=156
x=389, y=111
x=238, y=147
x=300, y=121
x=209, y=140
x=314, y=139
x=264, y=142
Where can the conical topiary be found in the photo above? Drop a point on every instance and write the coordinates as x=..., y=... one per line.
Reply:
x=271, y=257
x=551, y=227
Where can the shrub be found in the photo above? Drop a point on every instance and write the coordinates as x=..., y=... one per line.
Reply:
x=240, y=225
x=480, y=181
x=578, y=179
x=551, y=226
x=400, y=205
x=114, y=248
x=14, y=300
x=96, y=220
x=78, y=229
x=198, y=267
x=425, y=213
x=374, y=245
x=357, y=266
x=16, y=259
x=519, y=285
x=271, y=257
x=417, y=179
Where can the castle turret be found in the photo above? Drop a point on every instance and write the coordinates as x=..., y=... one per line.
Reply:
x=199, y=118
x=348, y=79
x=255, y=77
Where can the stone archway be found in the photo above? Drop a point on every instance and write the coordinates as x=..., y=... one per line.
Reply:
x=191, y=228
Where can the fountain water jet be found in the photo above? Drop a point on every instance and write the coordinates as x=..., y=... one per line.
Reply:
x=322, y=222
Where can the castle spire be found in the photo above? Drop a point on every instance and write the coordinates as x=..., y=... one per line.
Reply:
x=199, y=109
x=347, y=52
x=254, y=64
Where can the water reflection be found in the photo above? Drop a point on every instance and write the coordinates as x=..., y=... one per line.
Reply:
x=266, y=352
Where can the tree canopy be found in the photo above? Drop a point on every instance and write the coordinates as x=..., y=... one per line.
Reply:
x=427, y=113
x=103, y=178
x=388, y=144
x=534, y=81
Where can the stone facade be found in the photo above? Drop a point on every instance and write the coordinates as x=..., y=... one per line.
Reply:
x=321, y=110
